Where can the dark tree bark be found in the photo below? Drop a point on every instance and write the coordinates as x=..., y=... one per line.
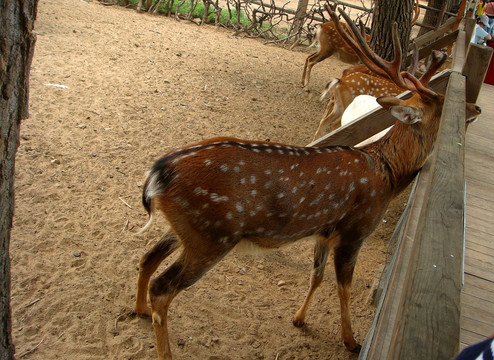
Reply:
x=386, y=12
x=300, y=14
x=16, y=52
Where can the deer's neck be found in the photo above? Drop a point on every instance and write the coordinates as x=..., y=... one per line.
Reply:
x=404, y=150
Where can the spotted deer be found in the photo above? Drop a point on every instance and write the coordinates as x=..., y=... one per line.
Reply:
x=330, y=42
x=354, y=81
x=220, y=192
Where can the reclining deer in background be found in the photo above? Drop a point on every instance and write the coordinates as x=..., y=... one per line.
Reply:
x=219, y=192
x=355, y=81
x=330, y=42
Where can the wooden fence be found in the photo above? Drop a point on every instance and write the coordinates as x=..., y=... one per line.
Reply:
x=418, y=303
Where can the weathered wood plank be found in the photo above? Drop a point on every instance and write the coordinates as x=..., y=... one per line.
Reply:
x=479, y=287
x=437, y=44
x=477, y=327
x=478, y=58
x=415, y=286
x=479, y=258
x=476, y=236
x=434, y=285
x=479, y=203
x=469, y=338
x=475, y=270
x=434, y=34
x=480, y=223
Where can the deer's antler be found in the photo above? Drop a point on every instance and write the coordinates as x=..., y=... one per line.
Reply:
x=382, y=67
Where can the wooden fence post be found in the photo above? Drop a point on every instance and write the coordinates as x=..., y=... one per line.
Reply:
x=475, y=68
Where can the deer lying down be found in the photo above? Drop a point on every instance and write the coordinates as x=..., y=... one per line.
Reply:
x=219, y=192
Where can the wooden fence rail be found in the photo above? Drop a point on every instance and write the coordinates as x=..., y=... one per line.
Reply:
x=418, y=311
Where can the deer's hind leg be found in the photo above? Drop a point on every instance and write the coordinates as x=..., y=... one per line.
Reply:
x=321, y=252
x=148, y=265
x=313, y=60
x=198, y=256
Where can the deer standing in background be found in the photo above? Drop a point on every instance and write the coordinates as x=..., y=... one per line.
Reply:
x=330, y=42
x=219, y=192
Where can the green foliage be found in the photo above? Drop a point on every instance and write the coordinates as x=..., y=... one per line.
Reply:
x=184, y=8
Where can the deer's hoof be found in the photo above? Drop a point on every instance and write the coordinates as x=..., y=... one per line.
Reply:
x=354, y=348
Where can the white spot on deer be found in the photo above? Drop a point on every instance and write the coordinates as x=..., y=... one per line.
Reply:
x=318, y=171
x=268, y=172
x=351, y=187
x=268, y=184
x=259, y=207
x=224, y=239
x=217, y=198
x=302, y=199
x=301, y=174
x=241, y=163
x=239, y=207
x=224, y=168
x=280, y=195
x=182, y=202
x=229, y=215
x=294, y=190
x=207, y=162
x=236, y=169
x=373, y=193
x=253, y=193
x=199, y=191
x=243, y=181
x=364, y=180
x=253, y=179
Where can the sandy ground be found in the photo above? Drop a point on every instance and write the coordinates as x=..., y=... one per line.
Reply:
x=138, y=86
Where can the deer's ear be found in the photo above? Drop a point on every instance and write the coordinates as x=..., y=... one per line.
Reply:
x=406, y=114
x=388, y=101
x=397, y=107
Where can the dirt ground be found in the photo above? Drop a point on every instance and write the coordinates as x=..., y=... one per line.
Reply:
x=136, y=87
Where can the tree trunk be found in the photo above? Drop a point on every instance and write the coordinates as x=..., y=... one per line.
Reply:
x=387, y=12
x=298, y=22
x=16, y=52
